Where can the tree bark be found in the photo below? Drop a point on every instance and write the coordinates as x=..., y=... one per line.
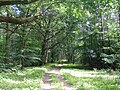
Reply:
x=17, y=20
x=12, y=2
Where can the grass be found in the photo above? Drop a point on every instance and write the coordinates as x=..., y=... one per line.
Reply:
x=49, y=66
x=55, y=83
x=96, y=83
x=29, y=78
x=86, y=79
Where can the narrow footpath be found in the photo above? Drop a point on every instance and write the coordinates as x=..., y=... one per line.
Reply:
x=47, y=83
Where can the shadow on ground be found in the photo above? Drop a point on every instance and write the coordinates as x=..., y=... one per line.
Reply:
x=74, y=66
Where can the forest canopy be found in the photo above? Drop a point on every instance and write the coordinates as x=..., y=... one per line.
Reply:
x=36, y=32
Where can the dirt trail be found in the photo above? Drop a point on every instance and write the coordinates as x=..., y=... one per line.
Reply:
x=56, y=70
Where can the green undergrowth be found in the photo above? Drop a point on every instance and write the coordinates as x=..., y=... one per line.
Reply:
x=49, y=66
x=76, y=66
x=92, y=83
x=29, y=78
x=85, y=78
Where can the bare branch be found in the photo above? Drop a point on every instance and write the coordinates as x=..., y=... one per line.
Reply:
x=12, y=31
x=53, y=35
x=53, y=46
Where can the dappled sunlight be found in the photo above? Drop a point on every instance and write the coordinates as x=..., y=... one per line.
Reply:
x=54, y=81
x=56, y=86
x=30, y=88
x=69, y=88
x=11, y=81
x=88, y=85
x=59, y=65
x=26, y=79
x=36, y=68
x=53, y=71
x=88, y=73
x=21, y=74
x=60, y=44
x=26, y=84
x=45, y=86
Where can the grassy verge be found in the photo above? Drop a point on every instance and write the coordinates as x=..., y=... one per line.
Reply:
x=92, y=83
x=29, y=78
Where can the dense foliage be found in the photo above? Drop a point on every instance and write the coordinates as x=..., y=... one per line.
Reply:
x=33, y=32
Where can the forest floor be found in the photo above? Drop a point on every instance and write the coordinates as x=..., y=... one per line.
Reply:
x=60, y=77
x=62, y=84
x=87, y=79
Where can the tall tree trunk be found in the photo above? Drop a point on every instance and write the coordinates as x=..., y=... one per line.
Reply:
x=44, y=52
x=22, y=48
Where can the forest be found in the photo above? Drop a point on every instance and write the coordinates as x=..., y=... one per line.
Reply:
x=66, y=44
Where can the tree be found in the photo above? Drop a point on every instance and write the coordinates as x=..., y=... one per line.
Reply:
x=38, y=32
x=9, y=19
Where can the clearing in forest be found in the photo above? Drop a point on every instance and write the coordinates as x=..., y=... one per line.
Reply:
x=60, y=77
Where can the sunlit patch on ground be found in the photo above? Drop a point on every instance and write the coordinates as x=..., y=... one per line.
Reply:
x=54, y=81
x=88, y=74
x=91, y=80
x=27, y=79
x=45, y=86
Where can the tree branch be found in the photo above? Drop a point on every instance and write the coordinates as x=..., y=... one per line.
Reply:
x=53, y=35
x=12, y=2
x=12, y=31
x=17, y=20
x=53, y=46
